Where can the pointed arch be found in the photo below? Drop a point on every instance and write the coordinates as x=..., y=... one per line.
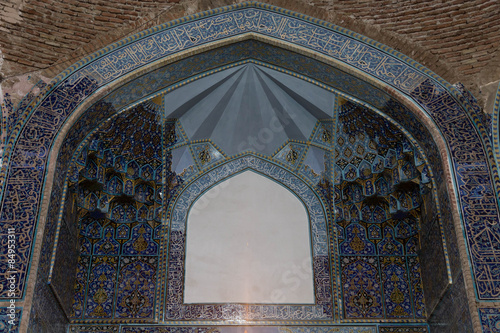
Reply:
x=173, y=255
x=428, y=105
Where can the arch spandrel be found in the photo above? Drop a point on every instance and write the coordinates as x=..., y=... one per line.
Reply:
x=36, y=134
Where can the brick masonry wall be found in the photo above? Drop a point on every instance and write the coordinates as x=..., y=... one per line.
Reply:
x=465, y=34
x=457, y=39
x=460, y=39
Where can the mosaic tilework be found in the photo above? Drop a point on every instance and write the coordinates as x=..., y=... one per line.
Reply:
x=171, y=329
x=378, y=186
x=436, y=268
x=495, y=127
x=230, y=23
x=249, y=329
x=431, y=101
x=90, y=171
x=473, y=179
x=253, y=51
x=23, y=189
x=327, y=329
x=6, y=108
x=484, y=118
x=94, y=329
x=98, y=112
x=45, y=310
x=14, y=112
x=405, y=329
x=205, y=154
x=87, y=120
x=117, y=179
x=86, y=161
x=175, y=309
x=6, y=321
x=291, y=154
x=393, y=108
x=490, y=319
x=255, y=329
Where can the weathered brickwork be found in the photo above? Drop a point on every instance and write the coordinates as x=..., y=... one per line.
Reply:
x=462, y=35
x=465, y=33
x=37, y=34
x=458, y=40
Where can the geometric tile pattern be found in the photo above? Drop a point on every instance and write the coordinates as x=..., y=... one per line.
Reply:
x=327, y=329
x=205, y=154
x=291, y=154
x=22, y=190
x=250, y=329
x=434, y=98
x=118, y=181
x=377, y=200
x=315, y=159
x=404, y=329
x=78, y=83
x=490, y=319
x=218, y=107
x=9, y=320
x=33, y=132
x=15, y=112
x=495, y=127
x=323, y=134
x=176, y=310
x=93, y=329
x=117, y=178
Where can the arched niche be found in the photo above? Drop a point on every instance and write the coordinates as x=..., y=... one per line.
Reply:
x=39, y=147
x=245, y=239
x=271, y=306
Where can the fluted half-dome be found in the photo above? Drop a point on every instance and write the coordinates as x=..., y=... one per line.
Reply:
x=249, y=107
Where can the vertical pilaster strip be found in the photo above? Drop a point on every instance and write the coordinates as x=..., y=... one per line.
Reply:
x=335, y=265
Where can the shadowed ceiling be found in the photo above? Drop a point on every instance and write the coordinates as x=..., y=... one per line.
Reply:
x=233, y=106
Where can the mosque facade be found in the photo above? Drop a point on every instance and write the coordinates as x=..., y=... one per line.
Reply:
x=250, y=168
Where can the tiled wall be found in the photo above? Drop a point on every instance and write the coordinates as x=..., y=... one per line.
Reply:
x=468, y=155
